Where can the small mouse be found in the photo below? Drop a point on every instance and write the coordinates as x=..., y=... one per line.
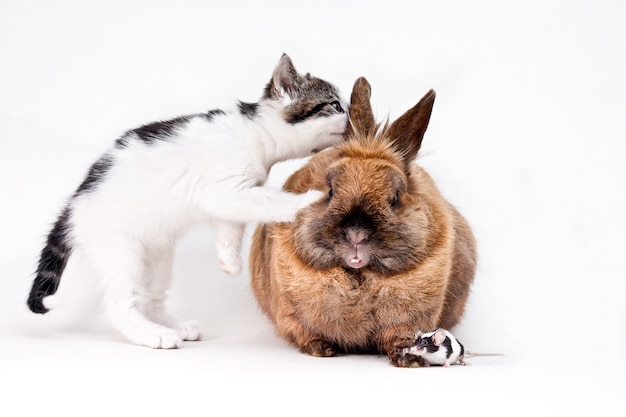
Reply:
x=440, y=347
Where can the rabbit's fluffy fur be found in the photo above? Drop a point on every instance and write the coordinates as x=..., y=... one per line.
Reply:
x=381, y=256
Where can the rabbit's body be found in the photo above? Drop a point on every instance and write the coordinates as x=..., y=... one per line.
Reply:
x=382, y=255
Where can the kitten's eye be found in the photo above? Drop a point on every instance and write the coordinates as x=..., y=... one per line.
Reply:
x=337, y=106
x=395, y=201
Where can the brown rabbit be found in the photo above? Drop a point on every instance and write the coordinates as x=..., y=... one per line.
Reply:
x=382, y=255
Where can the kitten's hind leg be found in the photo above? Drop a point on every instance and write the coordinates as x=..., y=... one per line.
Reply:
x=159, y=266
x=121, y=270
x=229, y=235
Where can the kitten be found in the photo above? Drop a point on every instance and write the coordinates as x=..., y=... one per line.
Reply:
x=162, y=178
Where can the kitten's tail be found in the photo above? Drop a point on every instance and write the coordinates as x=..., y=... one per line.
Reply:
x=52, y=262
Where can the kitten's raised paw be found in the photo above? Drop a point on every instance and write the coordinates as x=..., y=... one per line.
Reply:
x=311, y=196
x=231, y=268
x=229, y=259
x=189, y=331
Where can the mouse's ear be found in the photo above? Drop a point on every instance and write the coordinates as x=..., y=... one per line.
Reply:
x=439, y=337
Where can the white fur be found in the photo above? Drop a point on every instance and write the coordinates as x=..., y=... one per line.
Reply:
x=210, y=171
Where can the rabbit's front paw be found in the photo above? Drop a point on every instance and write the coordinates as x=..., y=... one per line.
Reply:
x=400, y=356
x=402, y=359
x=320, y=348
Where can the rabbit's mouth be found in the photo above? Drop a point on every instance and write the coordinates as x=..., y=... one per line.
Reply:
x=356, y=257
x=356, y=262
x=357, y=253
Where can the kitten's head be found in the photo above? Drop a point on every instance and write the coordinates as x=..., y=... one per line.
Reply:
x=312, y=106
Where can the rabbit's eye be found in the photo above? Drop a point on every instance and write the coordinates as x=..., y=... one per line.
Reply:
x=336, y=106
x=395, y=201
x=330, y=194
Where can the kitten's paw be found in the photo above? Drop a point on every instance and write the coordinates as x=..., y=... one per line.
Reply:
x=230, y=266
x=170, y=341
x=156, y=330
x=165, y=340
x=189, y=331
x=310, y=197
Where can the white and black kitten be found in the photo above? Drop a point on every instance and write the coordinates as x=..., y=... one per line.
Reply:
x=162, y=178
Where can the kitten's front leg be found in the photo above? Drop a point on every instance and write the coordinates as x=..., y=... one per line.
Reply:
x=228, y=244
x=261, y=204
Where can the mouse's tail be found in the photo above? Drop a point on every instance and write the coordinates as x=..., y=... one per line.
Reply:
x=52, y=262
x=470, y=354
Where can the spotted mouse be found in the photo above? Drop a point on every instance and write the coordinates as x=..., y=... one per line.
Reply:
x=439, y=347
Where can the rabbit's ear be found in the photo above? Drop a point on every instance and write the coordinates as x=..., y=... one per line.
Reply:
x=408, y=130
x=361, y=120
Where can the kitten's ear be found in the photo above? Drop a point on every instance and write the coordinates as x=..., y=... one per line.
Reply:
x=285, y=78
x=408, y=130
x=361, y=118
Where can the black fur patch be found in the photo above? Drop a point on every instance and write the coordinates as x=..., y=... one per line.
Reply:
x=122, y=142
x=152, y=132
x=297, y=117
x=160, y=130
x=212, y=113
x=248, y=109
x=52, y=262
x=96, y=173
x=431, y=347
x=447, y=343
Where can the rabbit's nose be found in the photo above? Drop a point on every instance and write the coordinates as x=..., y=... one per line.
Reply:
x=356, y=236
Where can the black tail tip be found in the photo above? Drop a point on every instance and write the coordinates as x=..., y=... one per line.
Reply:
x=36, y=305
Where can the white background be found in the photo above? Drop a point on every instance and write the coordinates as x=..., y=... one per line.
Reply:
x=527, y=139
